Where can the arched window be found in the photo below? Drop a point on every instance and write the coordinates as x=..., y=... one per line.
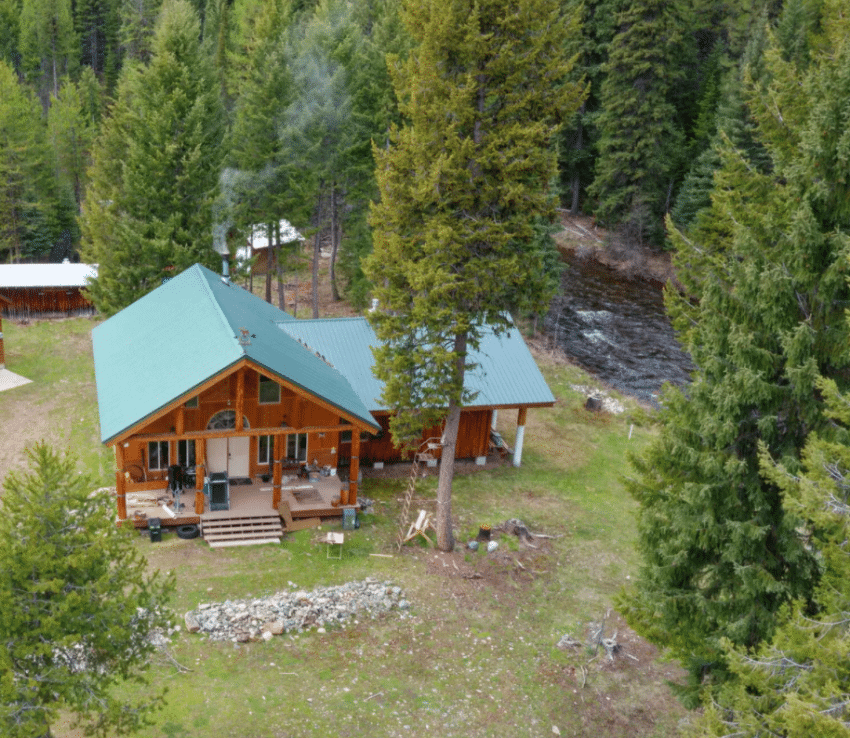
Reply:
x=226, y=420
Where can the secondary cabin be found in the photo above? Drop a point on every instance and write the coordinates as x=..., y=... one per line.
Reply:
x=216, y=400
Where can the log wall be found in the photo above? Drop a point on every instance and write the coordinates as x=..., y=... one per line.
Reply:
x=26, y=302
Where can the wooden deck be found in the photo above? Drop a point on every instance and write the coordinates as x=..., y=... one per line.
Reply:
x=306, y=498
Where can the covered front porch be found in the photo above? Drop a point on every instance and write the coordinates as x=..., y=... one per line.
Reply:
x=316, y=496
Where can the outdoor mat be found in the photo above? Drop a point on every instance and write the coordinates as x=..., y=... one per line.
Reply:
x=239, y=481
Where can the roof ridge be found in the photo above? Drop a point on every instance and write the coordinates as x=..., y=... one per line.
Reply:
x=207, y=287
x=331, y=319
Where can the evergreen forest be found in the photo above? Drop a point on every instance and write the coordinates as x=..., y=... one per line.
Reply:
x=138, y=134
x=130, y=128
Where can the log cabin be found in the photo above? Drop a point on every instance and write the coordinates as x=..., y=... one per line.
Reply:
x=38, y=290
x=259, y=242
x=202, y=380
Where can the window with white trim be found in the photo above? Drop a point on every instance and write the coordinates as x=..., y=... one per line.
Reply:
x=157, y=455
x=296, y=446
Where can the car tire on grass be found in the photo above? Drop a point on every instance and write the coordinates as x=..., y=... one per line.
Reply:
x=188, y=531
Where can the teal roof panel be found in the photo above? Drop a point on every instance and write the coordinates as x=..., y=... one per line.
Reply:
x=506, y=375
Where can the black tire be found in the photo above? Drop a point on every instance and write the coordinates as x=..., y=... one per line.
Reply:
x=188, y=531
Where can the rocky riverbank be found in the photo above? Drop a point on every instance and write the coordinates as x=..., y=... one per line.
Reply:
x=241, y=621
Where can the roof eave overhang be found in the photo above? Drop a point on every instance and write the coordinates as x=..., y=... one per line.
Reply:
x=132, y=429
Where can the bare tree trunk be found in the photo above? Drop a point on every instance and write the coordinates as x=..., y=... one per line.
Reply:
x=335, y=237
x=445, y=534
x=317, y=240
x=576, y=179
x=268, y=263
x=281, y=298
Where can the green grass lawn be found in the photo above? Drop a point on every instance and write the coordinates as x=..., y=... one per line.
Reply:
x=475, y=656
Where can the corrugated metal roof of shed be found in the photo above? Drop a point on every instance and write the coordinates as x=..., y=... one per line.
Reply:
x=507, y=374
x=46, y=275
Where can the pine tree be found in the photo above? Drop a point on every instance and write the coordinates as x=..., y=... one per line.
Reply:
x=28, y=192
x=78, y=605
x=48, y=44
x=769, y=264
x=71, y=130
x=148, y=212
x=641, y=139
x=797, y=684
x=96, y=23
x=10, y=32
x=136, y=29
x=254, y=193
x=460, y=187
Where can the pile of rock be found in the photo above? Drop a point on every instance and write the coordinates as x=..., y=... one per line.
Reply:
x=294, y=611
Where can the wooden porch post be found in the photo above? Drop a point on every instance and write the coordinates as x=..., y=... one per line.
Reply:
x=354, y=469
x=276, y=458
x=520, y=435
x=120, y=481
x=200, y=471
x=240, y=398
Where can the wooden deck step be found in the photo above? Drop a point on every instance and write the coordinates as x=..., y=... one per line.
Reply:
x=241, y=530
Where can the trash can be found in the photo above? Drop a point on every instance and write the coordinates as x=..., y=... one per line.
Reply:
x=155, y=529
x=349, y=518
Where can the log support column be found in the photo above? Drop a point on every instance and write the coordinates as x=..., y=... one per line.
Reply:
x=240, y=400
x=277, y=457
x=120, y=481
x=354, y=469
x=200, y=472
x=520, y=435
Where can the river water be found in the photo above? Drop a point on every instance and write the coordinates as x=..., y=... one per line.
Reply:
x=616, y=328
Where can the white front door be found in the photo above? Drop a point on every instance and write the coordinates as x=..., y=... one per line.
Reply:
x=239, y=453
x=216, y=455
x=229, y=455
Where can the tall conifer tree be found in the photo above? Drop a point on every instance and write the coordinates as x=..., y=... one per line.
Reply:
x=28, y=192
x=148, y=214
x=797, y=684
x=460, y=185
x=79, y=608
x=641, y=140
x=769, y=263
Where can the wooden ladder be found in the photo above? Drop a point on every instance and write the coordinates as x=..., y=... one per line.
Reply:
x=404, y=517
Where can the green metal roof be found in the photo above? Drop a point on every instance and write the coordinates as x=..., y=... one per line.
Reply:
x=506, y=375
x=187, y=331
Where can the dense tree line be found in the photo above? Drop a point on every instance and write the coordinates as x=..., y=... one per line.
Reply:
x=128, y=130
x=744, y=494
x=304, y=90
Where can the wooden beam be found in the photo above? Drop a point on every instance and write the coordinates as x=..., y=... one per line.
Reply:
x=180, y=421
x=274, y=431
x=354, y=470
x=296, y=408
x=120, y=482
x=240, y=399
x=200, y=472
x=278, y=471
x=521, y=415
